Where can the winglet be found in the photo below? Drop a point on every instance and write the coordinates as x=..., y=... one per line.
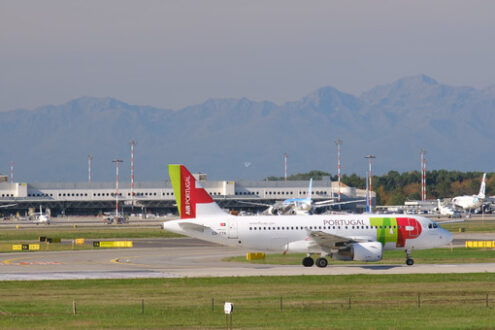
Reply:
x=192, y=200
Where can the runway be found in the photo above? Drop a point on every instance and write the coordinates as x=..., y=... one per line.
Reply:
x=184, y=257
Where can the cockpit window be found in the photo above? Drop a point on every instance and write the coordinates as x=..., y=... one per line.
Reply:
x=432, y=225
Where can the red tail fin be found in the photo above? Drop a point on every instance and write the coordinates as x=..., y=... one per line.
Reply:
x=192, y=199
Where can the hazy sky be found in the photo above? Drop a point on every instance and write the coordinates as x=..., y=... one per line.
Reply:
x=170, y=54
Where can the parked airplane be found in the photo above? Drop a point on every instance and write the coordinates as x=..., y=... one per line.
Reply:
x=299, y=205
x=42, y=217
x=471, y=202
x=344, y=237
x=446, y=210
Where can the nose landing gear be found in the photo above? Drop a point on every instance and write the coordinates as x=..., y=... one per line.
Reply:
x=409, y=260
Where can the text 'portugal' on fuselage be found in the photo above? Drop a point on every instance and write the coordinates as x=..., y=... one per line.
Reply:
x=344, y=237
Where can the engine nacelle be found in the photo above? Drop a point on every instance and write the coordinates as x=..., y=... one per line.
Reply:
x=298, y=246
x=367, y=251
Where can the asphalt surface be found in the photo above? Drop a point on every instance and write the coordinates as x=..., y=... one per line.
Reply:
x=187, y=257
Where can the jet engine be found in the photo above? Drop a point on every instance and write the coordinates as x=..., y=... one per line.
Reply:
x=298, y=246
x=367, y=251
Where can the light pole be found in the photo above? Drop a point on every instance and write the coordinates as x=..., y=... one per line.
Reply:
x=90, y=158
x=132, y=143
x=423, y=175
x=117, y=162
x=338, y=143
x=11, y=172
x=370, y=157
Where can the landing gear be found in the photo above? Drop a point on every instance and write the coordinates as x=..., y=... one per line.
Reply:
x=308, y=262
x=321, y=262
x=409, y=260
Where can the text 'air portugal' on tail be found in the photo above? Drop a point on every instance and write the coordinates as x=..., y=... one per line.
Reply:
x=192, y=200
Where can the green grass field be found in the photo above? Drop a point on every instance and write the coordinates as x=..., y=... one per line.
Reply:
x=18, y=236
x=475, y=226
x=358, y=301
x=29, y=234
x=431, y=256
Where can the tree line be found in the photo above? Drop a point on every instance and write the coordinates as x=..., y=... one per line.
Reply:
x=394, y=188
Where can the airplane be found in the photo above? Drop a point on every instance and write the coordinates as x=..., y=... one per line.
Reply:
x=446, y=210
x=42, y=218
x=109, y=218
x=299, y=205
x=361, y=237
x=470, y=202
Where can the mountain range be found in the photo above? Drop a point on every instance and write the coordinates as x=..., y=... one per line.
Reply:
x=244, y=139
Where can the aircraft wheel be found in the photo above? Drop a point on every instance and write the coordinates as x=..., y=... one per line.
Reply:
x=409, y=262
x=308, y=262
x=321, y=262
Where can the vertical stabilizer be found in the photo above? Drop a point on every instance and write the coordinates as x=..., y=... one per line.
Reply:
x=192, y=200
x=310, y=189
x=483, y=187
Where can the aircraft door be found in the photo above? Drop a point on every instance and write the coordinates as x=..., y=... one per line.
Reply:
x=232, y=229
x=416, y=227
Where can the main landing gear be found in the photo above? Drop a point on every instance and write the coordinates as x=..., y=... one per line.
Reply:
x=308, y=262
x=409, y=260
x=320, y=262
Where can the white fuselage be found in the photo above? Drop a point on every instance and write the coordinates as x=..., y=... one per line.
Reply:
x=290, y=233
x=468, y=202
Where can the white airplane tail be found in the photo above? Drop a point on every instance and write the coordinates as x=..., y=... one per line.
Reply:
x=310, y=189
x=192, y=200
x=483, y=187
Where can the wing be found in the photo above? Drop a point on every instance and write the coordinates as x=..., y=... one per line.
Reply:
x=8, y=205
x=254, y=203
x=332, y=202
x=330, y=241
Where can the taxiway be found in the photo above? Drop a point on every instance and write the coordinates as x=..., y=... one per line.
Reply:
x=186, y=257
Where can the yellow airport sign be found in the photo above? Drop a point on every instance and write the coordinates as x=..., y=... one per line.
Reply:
x=480, y=244
x=255, y=255
x=113, y=244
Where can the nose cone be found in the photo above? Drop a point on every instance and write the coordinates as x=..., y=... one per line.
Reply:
x=446, y=237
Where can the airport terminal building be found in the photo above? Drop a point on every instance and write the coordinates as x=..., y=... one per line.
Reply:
x=158, y=197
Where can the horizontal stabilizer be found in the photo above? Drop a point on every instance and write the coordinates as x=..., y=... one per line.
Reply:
x=193, y=226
